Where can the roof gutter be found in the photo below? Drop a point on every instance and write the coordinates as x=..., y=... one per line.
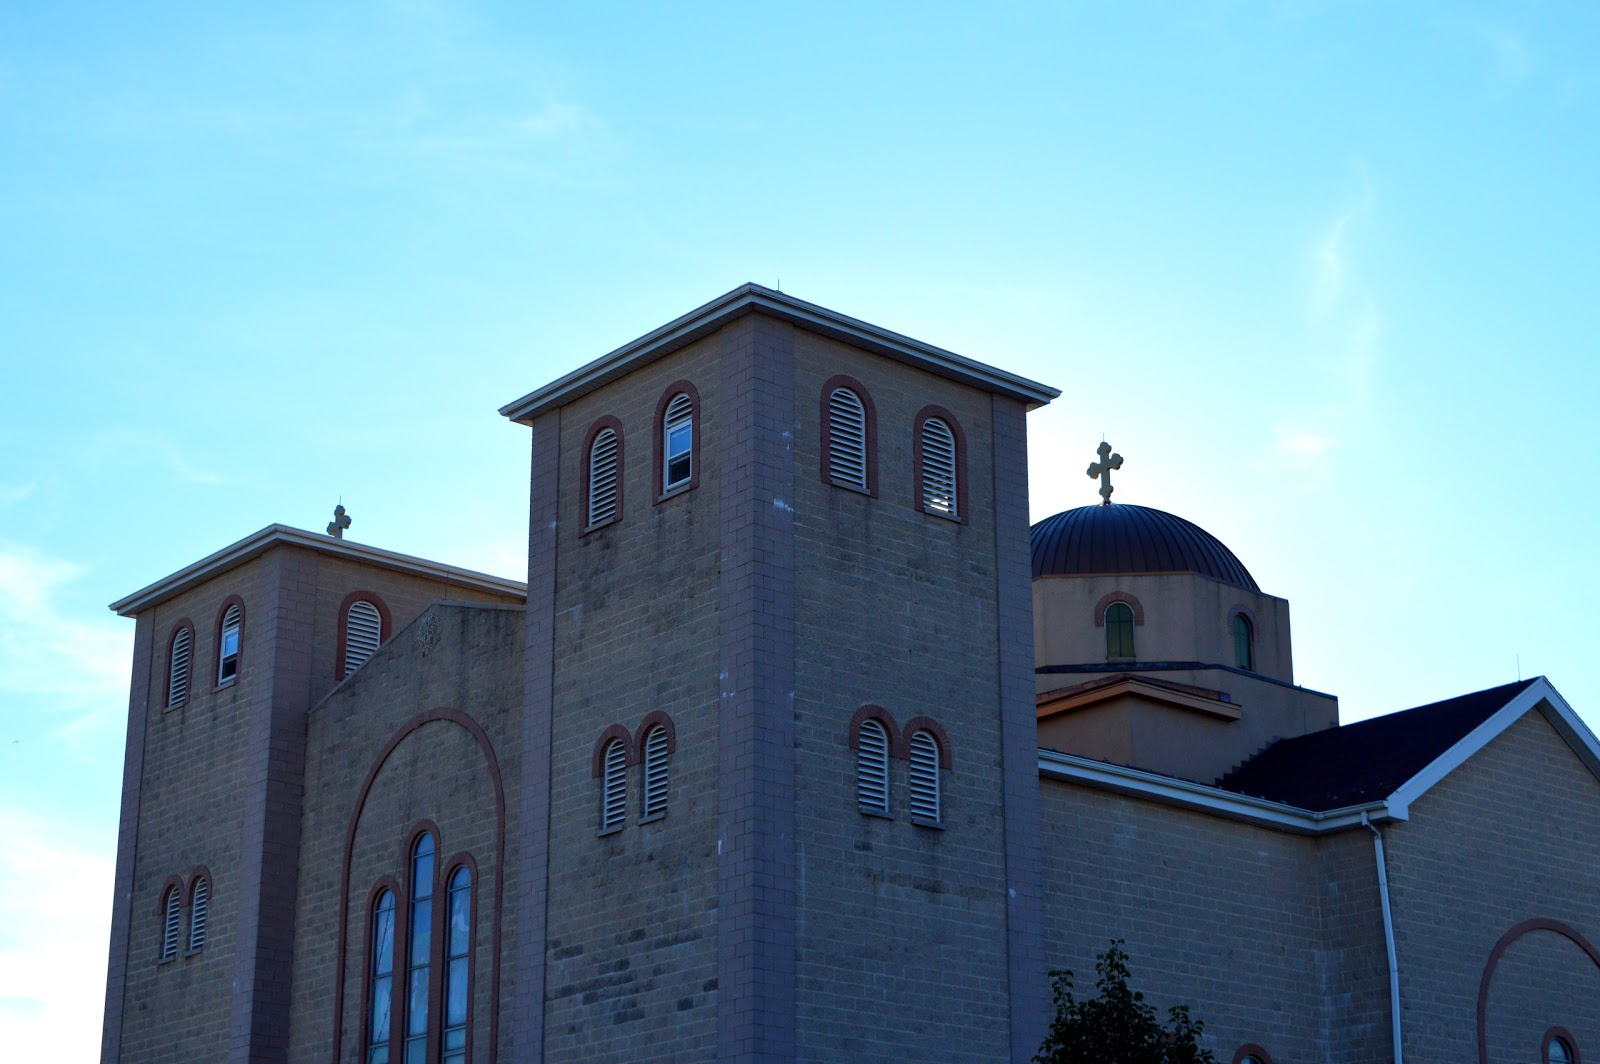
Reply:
x=1186, y=794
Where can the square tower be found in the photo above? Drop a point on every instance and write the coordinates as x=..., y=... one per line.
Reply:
x=781, y=776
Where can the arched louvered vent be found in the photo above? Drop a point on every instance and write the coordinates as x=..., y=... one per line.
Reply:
x=677, y=439
x=228, y=646
x=169, y=930
x=178, y=668
x=847, y=439
x=923, y=777
x=603, y=477
x=655, y=773
x=363, y=631
x=939, y=468
x=614, y=796
x=199, y=899
x=872, y=767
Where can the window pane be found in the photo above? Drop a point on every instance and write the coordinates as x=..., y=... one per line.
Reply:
x=455, y=1009
x=460, y=921
x=417, y=1004
x=416, y=1051
x=421, y=931
x=381, y=1008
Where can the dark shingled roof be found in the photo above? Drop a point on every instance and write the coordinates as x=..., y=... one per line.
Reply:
x=1366, y=761
x=1131, y=539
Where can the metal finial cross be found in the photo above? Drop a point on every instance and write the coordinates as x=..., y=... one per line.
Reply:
x=340, y=522
x=1102, y=469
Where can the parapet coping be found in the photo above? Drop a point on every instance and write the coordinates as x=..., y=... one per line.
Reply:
x=257, y=544
x=752, y=298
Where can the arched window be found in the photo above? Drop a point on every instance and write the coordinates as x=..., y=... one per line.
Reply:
x=940, y=463
x=604, y=477
x=179, y=657
x=363, y=632
x=458, y=968
x=1250, y=1053
x=1558, y=1049
x=655, y=773
x=848, y=428
x=172, y=922
x=872, y=766
x=419, y=944
x=1119, y=630
x=1244, y=643
x=228, y=639
x=199, y=903
x=614, y=788
x=380, y=1003
x=923, y=776
x=678, y=439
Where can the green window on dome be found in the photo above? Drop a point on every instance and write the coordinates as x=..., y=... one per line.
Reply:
x=1244, y=643
x=1119, y=630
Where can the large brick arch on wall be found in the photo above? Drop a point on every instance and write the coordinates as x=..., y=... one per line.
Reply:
x=427, y=716
x=1537, y=924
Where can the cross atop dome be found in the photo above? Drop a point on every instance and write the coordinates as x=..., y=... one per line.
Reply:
x=1102, y=469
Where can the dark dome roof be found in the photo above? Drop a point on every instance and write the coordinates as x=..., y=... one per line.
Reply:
x=1131, y=539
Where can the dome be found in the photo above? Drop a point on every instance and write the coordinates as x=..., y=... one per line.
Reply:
x=1131, y=539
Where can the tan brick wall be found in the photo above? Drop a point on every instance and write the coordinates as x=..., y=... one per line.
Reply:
x=461, y=659
x=1507, y=837
x=631, y=935
x=897, y=608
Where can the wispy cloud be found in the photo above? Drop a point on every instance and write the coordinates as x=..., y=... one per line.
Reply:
x=50, y=988
x=52, y=662
x=1510, y=58
x=557, y=118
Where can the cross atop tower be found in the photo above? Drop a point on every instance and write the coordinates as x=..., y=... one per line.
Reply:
x=340, y=522
x=1102, y=469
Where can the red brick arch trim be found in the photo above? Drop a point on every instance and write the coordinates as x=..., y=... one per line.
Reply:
x=216, y=638
x=1566, y=1036
x=1118, y=596
x=674, y=389
x=1250, y=1049
x=1500, y=947
x=166, y=688
x=200, y=871
x=882, y=716
x=161, y=895
x=652, y=719
x=1239, y=609
x=871, y=412
x=472, y=728
x=385, y=624
x=961, y=460
x=457, y=862
x=600, y=425
x=933, y=728
x=397, y=978
x=613, y=731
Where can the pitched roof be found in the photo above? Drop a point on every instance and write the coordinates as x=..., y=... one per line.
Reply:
x=753, y=298
x=1369, y=760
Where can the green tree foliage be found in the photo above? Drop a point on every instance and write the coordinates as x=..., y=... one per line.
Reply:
x=1116, y=1026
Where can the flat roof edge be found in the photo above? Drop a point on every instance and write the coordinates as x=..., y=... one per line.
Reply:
x=750, y=298
x=258, y=543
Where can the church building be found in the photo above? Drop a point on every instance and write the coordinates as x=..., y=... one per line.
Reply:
x=797, y=744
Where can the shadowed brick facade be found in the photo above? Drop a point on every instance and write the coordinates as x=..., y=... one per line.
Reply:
x=759, y=612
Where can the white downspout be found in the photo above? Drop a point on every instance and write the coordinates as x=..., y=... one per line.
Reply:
x=1388, y=934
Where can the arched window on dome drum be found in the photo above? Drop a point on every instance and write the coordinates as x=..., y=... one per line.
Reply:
x=457, y=972
x=872, y=767
x=380, y=1002
x=419, y=945
x=1244, y=643
x=1119, y=631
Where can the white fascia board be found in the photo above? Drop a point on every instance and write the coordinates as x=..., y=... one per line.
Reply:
x=253, y=546
x=748, y=298
x=1538, y=695
x=1186, y=794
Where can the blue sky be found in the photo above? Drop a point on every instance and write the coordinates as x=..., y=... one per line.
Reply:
x=1323, y=273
